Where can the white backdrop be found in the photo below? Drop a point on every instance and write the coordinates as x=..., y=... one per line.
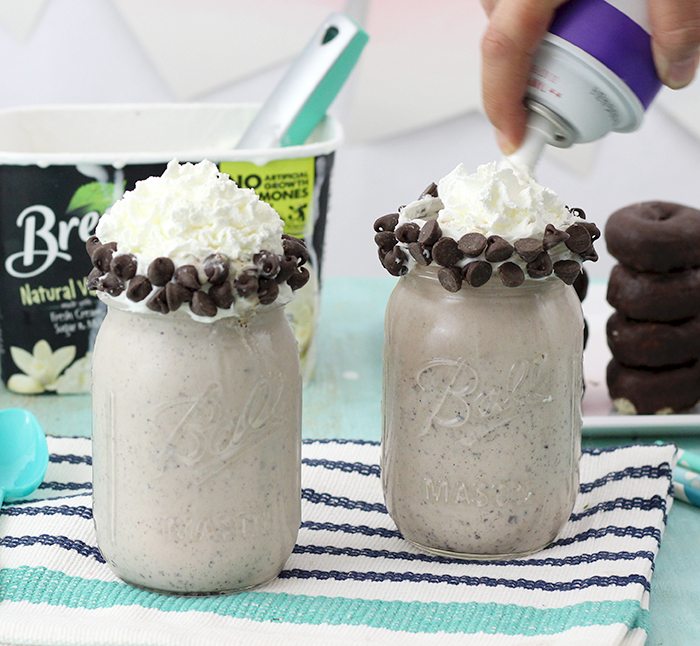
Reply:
x=84, y=51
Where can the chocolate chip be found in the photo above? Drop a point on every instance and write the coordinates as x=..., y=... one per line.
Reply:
x=287, y=266
x=187, y=276
x=446, y=253
x=589, y=254
x=567, y=270
x=176, y=295
x=419, y=253
x=160, y=271
x=246, y=283
x=579, y=238
x=578, y=213
x=430, y=190
x=430, y=233
x=511, y=275
x=382, y=254
x=112, y=284
x=478, y=273
x=158, y=302
x=222, y=295
x=91, y=244
x=139, y=287
x=268, y=264
x=386, y=222
x=472, y=244
x=93, y=278
x=553, y=236
x=299, y=278
x=408, y=232
x=202, y=304
x=528, y=248
x=395, y=262
x=592, y=229
x=450, y=278
x=540, y=267
x=498, y=249
x=385, y=240
x=102, y=257
x=268, y=289
x=295, y=247
x=216, y=268
x=124, y=266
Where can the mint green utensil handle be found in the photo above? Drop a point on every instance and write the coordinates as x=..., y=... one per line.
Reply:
x=303, y=96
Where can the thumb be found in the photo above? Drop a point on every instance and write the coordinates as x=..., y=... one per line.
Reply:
x=675, y=30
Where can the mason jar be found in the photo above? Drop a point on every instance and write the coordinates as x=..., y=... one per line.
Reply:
x=196, y=448
x=482, y=414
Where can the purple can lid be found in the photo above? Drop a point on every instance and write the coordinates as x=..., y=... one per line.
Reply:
x=614, y=39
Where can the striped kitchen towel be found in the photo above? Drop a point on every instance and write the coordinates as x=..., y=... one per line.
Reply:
x=351, y=578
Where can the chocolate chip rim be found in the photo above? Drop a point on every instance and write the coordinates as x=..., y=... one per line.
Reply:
x=167, y=287
x=430, y=246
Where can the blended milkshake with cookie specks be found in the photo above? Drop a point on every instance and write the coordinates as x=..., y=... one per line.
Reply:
x=196, y=385
x=482, y=363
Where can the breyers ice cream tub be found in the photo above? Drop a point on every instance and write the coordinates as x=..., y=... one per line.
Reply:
x=62, y=167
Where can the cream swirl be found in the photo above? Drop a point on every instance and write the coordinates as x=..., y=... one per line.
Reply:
x=188, y=213
x=497, y=199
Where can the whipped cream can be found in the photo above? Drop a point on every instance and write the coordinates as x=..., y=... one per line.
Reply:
x=62, y=167
x=594, y=72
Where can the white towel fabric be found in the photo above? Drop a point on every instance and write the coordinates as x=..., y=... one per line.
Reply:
x=351, y=578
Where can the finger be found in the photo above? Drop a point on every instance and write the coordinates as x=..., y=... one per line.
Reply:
x=515, y=30
x=675, y=28
x=488, y=6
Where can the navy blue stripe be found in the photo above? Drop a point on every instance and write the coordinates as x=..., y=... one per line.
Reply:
x=346, y=528
x=663, y=470
x=323, y=498
x=491, y=582
x=610, y=530
x=60, y=510
x=65, y=486
x=347, y=467
x=644, y=504
x=342, y=441
x=68, y=437
x=69, y=544
x=331, y=550
x=72, y=459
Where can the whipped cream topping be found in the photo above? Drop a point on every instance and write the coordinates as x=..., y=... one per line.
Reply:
x=497, y=199
x=188, y=213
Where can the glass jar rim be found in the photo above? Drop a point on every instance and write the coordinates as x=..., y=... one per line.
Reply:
x=494, y=284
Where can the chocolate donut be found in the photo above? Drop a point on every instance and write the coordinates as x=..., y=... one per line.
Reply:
x=655, y=236
x=655, y=297
x=652, y=345
x=648, y=391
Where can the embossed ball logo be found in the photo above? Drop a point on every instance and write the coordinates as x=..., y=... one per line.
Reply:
x=463, y=401
x=207, y=437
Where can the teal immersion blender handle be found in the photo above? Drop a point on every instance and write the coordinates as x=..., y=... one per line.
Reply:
x=302, y=97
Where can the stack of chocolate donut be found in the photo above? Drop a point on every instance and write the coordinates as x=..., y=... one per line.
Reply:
x=654, y=335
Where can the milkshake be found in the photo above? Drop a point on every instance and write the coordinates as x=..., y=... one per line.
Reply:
x=196, y=385
x=482, y=363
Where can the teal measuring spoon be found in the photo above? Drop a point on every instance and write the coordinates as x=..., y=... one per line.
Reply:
x=24, y=455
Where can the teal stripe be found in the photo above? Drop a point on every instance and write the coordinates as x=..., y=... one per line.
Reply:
x=41, y=585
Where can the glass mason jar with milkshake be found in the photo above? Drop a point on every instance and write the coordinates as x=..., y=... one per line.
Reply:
x=196, y=385
x=482, y=363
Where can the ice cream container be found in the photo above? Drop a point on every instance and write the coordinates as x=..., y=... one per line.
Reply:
x=62, y=167
x=594, y=72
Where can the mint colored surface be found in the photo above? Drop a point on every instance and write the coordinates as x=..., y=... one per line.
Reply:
x=56, y=588
x=344, y=400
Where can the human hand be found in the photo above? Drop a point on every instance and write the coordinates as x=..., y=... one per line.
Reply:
x=516, y=28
